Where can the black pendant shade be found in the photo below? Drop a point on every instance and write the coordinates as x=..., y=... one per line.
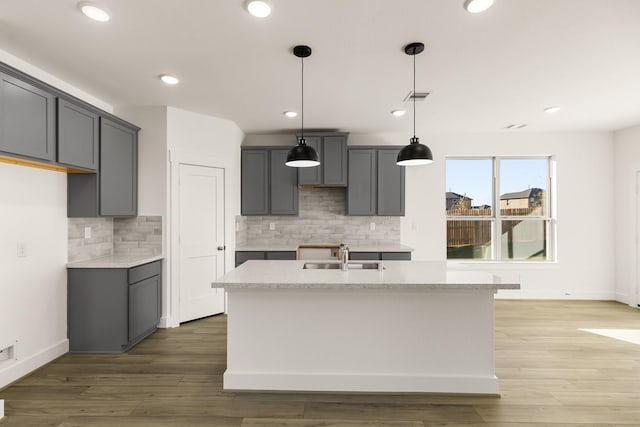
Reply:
x=302, y=155
x=414, y=154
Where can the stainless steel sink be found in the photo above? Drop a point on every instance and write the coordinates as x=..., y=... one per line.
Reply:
x=336, y=266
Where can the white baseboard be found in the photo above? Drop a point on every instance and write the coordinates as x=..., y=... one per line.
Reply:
x=12, y=370
x=167, y=322
x=360, y=383
x=549, y=294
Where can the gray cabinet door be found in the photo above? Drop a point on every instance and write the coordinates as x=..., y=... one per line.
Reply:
x=144, y=307
x=27, y=119
x=362, y=191
x=118, y=169
x=312, y=175
x=255, y=182
x=283, y=185
x=97, y=310
x=78, y=133
x=390, y=184
x=334, y=160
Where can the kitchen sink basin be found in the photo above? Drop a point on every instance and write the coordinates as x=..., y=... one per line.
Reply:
x=336, y=266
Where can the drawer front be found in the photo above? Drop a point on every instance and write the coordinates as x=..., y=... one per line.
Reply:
x=364, y=256
x=242, y=256
x=144, y=271
x=280, y=255
x=396, y=256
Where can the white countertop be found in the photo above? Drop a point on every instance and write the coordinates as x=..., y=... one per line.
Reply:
x=115, y=261
x=360, y=247
x=423, y=275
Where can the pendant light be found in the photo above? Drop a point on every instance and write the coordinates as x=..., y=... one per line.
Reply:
x=414, y=154
x=302, y=155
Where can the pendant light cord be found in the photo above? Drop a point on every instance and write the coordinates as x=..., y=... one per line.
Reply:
x=414, y=95
x=302, y=106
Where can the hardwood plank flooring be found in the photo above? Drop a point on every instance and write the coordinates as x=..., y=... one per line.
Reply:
x=551, y=373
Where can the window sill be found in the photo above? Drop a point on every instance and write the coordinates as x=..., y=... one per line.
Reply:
x=505, y=265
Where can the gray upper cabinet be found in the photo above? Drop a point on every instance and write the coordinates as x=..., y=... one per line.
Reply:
x=118, y=169
x=113, y=191
x=362, y=189
x=390, y=184
x=27, y=119
x=376, y=183
x=255, y=182
x=283, y=188
x=78, y=135
x=269, y=187
x=332, y=152
x=313, y=175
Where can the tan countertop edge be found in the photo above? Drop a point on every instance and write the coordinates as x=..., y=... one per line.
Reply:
x=115, y=261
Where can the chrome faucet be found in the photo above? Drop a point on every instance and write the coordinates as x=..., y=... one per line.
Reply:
x=344, y=257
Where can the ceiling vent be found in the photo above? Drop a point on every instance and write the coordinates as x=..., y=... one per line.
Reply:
x=419, y=96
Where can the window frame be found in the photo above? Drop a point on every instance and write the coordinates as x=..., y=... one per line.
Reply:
x=496, y=218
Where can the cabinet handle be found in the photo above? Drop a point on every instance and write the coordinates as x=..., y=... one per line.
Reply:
x=221, y=248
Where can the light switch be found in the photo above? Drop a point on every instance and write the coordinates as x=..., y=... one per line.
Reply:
x=22, y=250
x=372, y=226
x=87, y=232
x=272, y=226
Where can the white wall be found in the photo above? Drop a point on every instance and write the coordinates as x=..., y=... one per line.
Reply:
x=585, y=211
x=627, y=163
x=33, y=290
x=212, y=137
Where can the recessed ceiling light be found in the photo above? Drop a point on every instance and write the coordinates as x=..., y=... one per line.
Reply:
x=94, y=12
x=477, y=6
x=259, y=8
x=551, y=110
x=398, y=113
x=290, y=114
x=170, y=80
x=516, y=126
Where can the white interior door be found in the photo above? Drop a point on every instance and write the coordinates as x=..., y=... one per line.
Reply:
x=201, y=241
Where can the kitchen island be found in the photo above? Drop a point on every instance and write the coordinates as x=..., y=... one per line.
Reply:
x=410, y=327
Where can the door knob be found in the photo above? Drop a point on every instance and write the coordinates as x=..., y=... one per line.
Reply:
x=221, y=248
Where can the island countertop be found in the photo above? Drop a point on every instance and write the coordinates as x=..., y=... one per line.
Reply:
x=418, y=275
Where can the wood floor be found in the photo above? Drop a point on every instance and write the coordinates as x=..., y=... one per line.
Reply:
x=551, y=373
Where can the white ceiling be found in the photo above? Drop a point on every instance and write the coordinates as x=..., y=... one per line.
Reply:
x=485, y=71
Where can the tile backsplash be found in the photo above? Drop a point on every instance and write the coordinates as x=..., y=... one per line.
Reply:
x=321, y=219
x=140, y=235
x=113, y=236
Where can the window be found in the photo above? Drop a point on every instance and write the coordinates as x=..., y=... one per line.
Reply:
x=498, y=208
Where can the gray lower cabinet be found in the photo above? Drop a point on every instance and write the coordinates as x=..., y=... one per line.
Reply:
x=112, y=309
x=269, y=187
x=332, y=153
x=113, y=191
x=377, y=256
x=242, y=256
x=27, y=119
x=78, y=135
x=376, y=182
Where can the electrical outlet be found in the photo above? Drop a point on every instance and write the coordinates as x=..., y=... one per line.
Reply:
x=414, y=227
x=272, y=226
x=22, y=250
x=372, y=226
x=87, y=232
